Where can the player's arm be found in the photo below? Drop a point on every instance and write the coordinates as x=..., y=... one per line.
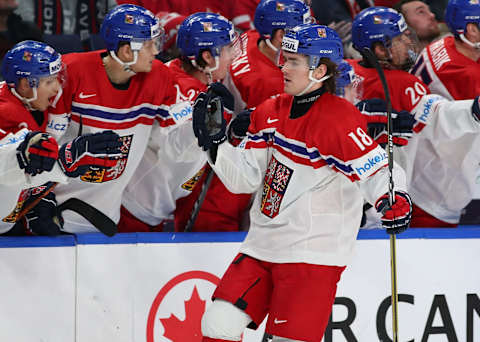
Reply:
x=361, y=159
x=240, y=168
x=441, y=119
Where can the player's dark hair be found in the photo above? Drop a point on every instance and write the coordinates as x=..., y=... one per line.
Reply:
x=187, y=63
x=398, y=6
x=330, y=83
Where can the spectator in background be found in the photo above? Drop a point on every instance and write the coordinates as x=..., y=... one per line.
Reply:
x=170, y=23
x=13, y=28
x=80, y=17
x=418, y=16
x=339, y=17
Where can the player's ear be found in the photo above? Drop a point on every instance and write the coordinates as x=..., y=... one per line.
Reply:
x=277, y=38
x=380, y=51
x=320, y=71
x=125, y=53
x=208, y=58
x=472, y=31
x=23, y=87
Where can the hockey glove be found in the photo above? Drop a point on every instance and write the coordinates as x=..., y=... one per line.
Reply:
x=209, y=125
x=98, y=150
x=44, y=218
x=239, y=125
x=37, y=153
x=375, y=112
x=396, y=218
x=219, y=89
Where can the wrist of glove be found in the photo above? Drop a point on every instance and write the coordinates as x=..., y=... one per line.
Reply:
x=395, y=218
x=209, y=124
x=37, y=153
x=375, y=113
x=97, y=150
x=218, y=89
x=44, y=218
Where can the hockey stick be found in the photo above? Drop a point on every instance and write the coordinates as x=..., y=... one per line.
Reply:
x=372, y=59
x=201, y=197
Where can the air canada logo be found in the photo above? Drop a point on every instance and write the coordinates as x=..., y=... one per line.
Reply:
x=177, y=310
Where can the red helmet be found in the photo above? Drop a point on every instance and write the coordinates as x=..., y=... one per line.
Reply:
x=170, y=23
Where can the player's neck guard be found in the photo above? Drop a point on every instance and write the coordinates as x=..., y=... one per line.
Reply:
x=302, y=103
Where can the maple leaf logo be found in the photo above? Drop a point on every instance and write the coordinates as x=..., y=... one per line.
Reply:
x=189, y=329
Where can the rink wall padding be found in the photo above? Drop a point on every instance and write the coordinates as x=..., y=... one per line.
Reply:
x=154, y=287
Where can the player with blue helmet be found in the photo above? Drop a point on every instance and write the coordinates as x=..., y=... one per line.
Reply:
x=135, y=27
x=298, y=159
x=31, y=69
x=207, y=43
x=384, y=31
x=273, y=15
x=349, y=85
x=323, y=50
x=261, y=52
x=460, y=13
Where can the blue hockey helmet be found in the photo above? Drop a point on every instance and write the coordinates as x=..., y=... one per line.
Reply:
x=204, y=31
x=129, y=23
x=459, y=13
x=280, y=14
x=376, y=24
x=345, y=75
x=31, y=60
x=315, y=41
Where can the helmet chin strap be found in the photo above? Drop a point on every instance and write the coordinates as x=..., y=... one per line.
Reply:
x=207, y=70
x=26, y=101
x=469, y=43
x=274, y=48
x=126, y=65
x=313, y=80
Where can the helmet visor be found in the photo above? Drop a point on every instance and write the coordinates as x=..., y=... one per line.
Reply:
x=404, y=50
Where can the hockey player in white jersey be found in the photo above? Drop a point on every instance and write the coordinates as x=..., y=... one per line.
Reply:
x=34, y=74
x=438, y=159
x=310, y=162
x=450, y=68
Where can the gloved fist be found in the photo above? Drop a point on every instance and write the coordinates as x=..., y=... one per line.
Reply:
x=239, y=125
x=219, y=89
x=396, y=218
x=44, y=218
x=37, y=153
x=209, y=125
x=98, y=150
x=375, y=112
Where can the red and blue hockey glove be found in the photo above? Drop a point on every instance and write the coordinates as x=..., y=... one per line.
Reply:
x=98, y=150
x=396, y=218
x=209, y=125
x=375, y=112
x=44, y=218
x=37, y=153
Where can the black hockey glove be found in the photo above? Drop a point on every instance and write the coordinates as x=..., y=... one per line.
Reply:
x=239, y=125
x=209, y=125
x=375, y=112
x=37, y=153
x=44, y=218
x=219, y=89
x=98, y=150
x=395, y=219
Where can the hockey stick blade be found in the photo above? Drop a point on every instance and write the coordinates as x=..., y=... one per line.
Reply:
x=98, y=219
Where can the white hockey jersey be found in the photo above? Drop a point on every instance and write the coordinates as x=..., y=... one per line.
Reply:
x=310, y=175
x=90, y=99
